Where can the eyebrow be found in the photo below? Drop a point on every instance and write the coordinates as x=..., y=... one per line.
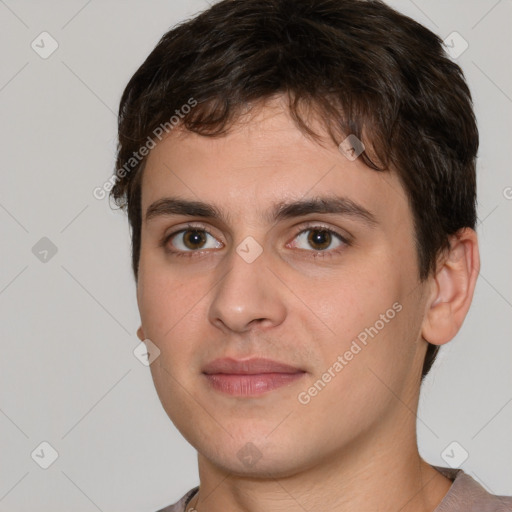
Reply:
x=169, y=206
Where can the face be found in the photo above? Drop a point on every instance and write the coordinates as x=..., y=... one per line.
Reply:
x=299, y=255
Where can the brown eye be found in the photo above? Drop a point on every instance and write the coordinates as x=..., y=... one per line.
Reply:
x=319, y=239
x=194, y=239
x=191, y=240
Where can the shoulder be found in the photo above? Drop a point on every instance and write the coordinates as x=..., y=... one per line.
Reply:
x=467, y=495
x=179, y=506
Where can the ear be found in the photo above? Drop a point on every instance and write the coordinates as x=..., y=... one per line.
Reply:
x=452, y=288
x=140, y=334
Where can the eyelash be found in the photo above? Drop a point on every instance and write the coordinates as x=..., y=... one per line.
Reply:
x=187, y=254
x=301, y=229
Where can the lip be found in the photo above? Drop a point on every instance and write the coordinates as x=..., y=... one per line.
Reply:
x=250, y=377
x=252, y=366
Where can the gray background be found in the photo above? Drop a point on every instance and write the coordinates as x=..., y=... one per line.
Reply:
x=68, y=375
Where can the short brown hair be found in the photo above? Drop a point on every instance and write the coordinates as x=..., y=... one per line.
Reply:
x=364, y=68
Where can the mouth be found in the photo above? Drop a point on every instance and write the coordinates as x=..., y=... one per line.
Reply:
x=251, y=377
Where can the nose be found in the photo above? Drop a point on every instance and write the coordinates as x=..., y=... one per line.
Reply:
x=248, y=294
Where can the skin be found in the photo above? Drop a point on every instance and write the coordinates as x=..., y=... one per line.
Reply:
x=353, y=447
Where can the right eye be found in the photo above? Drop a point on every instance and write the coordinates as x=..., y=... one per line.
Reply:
x=191, y=239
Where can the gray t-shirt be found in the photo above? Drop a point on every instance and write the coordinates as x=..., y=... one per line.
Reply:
x=465, y=495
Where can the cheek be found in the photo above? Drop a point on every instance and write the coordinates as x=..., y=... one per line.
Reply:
x=174, y=311
x=163, y=311
x=344, y=304
x=163, y=297
x=360, y=317
x=361, y=363
x=155, y=305
x=171, y=314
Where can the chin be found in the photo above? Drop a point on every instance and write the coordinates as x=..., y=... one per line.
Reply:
x=277, y=467
x=253, y=458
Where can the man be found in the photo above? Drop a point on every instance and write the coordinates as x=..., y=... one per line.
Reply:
x=300, y=182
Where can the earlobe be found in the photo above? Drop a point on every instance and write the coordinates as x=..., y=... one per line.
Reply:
x=140, y=334
x=452, y=288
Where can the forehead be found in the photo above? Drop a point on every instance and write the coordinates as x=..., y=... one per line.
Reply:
x=263, y=160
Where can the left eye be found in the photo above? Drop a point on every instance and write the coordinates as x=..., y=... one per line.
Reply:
x=319, y=239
